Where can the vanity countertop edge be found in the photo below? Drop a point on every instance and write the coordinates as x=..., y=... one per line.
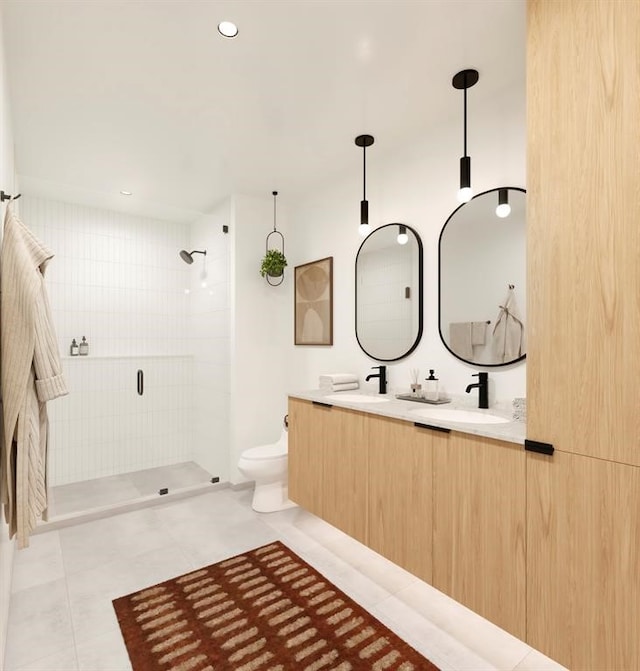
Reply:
x=511, y=432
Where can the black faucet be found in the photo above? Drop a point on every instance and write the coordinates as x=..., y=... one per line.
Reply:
x=483, y=389
x=382, y=378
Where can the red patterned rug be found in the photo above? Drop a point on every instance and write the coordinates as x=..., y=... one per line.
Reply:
x=264, y=610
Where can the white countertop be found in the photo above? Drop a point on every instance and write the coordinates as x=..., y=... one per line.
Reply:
x=512, y=431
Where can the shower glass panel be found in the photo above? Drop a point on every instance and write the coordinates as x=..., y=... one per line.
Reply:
x=133, y=424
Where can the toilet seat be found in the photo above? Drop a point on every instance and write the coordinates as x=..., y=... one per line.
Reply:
x=266, y=452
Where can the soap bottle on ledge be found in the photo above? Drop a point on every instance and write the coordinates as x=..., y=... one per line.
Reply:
x=73, y=349
x=431, y=387
x=84, y=347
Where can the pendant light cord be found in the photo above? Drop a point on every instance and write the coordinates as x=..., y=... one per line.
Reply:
x=275, y=193
x=364, y=173
x=465, y=116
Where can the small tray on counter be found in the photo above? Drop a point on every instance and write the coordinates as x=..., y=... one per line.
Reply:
x=419, y=399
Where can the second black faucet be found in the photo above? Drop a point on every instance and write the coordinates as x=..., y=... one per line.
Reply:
x=382, y=378
x=483, y=389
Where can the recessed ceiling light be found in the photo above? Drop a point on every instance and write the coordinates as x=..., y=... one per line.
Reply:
x=126, y=193
x=227, y=29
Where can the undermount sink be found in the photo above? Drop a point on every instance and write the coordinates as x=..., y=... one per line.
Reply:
x=462, y=416
x=355, y=398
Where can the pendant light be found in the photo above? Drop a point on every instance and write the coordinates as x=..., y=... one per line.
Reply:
x=503, y=209
x=464, y=80
x=402, y=238
x=364, y=141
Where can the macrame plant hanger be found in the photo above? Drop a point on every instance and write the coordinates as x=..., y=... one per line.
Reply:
x=275, y=232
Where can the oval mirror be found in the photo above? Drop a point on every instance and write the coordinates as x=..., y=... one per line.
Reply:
x=482, y=278
x=389, y=292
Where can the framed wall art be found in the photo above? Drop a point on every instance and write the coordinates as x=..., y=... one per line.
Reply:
x=313, y=307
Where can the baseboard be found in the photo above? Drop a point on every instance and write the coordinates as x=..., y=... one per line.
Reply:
x=241, y=485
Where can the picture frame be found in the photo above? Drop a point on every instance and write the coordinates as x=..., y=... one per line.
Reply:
x=313, y=303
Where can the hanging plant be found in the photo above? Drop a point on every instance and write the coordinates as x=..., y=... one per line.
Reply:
x=273, y=263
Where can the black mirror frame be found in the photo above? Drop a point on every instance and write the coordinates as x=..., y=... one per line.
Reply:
x=420, y=293
x=472, y=363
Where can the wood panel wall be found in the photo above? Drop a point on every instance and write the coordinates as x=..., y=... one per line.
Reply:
x=583, y=396
x=583, y=559
x=583, y=211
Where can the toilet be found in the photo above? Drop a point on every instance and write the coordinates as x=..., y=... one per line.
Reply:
x=267, y=465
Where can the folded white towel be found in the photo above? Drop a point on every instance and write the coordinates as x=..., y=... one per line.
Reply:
x=345, y=386
x=338, y=378
x=460, y=339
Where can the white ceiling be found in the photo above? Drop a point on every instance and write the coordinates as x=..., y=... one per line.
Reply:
x=144, y=95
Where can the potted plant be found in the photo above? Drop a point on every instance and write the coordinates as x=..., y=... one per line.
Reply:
x=273, y=263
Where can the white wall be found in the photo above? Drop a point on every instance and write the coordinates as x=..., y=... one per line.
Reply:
x=261, y=327
x=8, y=184
x=209, y=335
x=416, y=186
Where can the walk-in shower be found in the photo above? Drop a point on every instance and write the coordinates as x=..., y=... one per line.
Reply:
x=147, y=411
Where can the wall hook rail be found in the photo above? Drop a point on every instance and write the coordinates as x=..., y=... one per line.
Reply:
x=7, y=196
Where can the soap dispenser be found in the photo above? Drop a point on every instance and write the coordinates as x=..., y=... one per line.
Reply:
x=84, y=347
x=431, y=387
x=73, y=350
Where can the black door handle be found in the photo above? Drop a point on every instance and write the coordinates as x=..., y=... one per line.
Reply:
x=140, y=383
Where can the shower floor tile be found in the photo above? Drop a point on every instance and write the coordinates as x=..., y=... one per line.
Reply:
x=174, y=476
x=82, y=496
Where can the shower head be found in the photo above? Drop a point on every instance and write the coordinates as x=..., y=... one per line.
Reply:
x=187, y=257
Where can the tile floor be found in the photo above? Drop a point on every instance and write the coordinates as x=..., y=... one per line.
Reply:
x=82, y=496
x=61, y=617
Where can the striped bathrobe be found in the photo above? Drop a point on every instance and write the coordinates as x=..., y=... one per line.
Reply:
x=31, y=375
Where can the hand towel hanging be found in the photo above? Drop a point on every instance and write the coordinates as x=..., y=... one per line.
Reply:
x=508, y=333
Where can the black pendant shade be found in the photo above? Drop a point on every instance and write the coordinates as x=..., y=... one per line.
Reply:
x=464, y=80
x=364, y=141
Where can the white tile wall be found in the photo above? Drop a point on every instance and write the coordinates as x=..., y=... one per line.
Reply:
x=103, y=427
x=385, y=316
x=115, y=278
x=118, y=280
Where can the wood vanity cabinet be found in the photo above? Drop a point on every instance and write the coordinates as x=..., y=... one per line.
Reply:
x=305, y=457
x=583, y=561
x=479, y=527
x=328, y=464
x=448, y=507
x=400, y=494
